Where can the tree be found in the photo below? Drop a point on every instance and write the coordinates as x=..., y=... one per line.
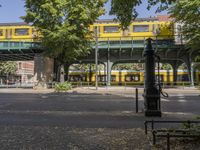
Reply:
x=64, y=25
x=126, y=12
x=128, y=66
x=9, y=67
x=166, y=67
x=187, y=13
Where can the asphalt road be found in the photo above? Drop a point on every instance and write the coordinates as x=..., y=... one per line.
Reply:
x=94, y=110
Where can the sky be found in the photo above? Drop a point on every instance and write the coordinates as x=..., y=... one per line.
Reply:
x=11, y=11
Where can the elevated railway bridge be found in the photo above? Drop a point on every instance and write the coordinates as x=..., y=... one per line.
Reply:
x=110, y=52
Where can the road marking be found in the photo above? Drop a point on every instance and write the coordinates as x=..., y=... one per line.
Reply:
x=165, y=100
x=181, y=97
x=178, y=113
x=182, y=100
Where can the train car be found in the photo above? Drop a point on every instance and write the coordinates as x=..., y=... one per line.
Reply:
x=107, y=29
x=17, y=32
x=138, y=30
x=131, y=76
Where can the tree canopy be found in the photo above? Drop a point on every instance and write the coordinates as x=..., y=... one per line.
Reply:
x=8, y=67
x=125, y=10
x=187, y=13
x=64, y=25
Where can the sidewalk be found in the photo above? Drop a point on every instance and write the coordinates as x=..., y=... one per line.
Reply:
x=101, y=90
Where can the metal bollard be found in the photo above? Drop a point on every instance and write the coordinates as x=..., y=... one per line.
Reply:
x=154, y=137
x=152, y=125
x=136, y=99
x=168, y=141
x=145, y=125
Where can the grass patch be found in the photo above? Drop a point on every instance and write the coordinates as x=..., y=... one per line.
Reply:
x=63, y=87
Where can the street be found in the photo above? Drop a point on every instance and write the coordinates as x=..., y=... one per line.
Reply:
x=89, y=109
x=100, y=113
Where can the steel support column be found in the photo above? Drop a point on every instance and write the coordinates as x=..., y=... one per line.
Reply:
x=190, y=67
x=175, y=73
x=192, y=74
x=108, y=66
x=96, y=56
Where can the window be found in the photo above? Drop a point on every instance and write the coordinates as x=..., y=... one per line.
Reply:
x=161, y=78
x=141, y=28
x=113, y=78
x=102, y=78
x=133, y=78
x=96, y=28
x=1, y=32
x=183, y=77
x=77, y=78
x=111, y=29
x=19, y=32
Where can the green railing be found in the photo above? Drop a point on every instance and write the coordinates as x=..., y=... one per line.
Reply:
x=5, y=45
x=132, y=84
x=103, y=42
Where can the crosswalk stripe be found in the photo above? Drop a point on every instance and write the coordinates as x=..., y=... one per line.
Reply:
x=182, y=100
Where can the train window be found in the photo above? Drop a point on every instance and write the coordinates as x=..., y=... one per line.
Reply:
x=129, y=78
x=102, y=78
x=77, y=78
x=1, y=32
x=161, y=78
x=136, y=78
x=96, y=28
x=21, y=31
x=113, y=78
x=141, y=28
x=183, y=77
x=111, y=29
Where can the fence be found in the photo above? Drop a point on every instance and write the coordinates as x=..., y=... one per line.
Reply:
x=100, y=84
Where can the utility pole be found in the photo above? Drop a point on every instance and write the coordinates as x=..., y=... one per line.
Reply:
x=96, y=56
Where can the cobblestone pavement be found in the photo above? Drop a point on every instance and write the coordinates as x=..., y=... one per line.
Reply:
x=87, y=119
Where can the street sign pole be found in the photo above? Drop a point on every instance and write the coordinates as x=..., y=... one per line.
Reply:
x=96, y=57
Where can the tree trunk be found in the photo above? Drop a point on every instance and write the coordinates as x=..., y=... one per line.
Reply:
x=62, y=74
x=66, y=69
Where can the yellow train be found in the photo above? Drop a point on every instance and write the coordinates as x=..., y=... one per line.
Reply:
x=136, y=31
x=125, y=76
x=17, y=32
x=106, y=29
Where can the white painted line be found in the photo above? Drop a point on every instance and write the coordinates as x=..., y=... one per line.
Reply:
x=165, y=100
x=181, y=97
x=177, y=113
x=182, y=100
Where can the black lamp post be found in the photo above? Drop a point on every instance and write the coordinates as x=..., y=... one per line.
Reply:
x=151, y=91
